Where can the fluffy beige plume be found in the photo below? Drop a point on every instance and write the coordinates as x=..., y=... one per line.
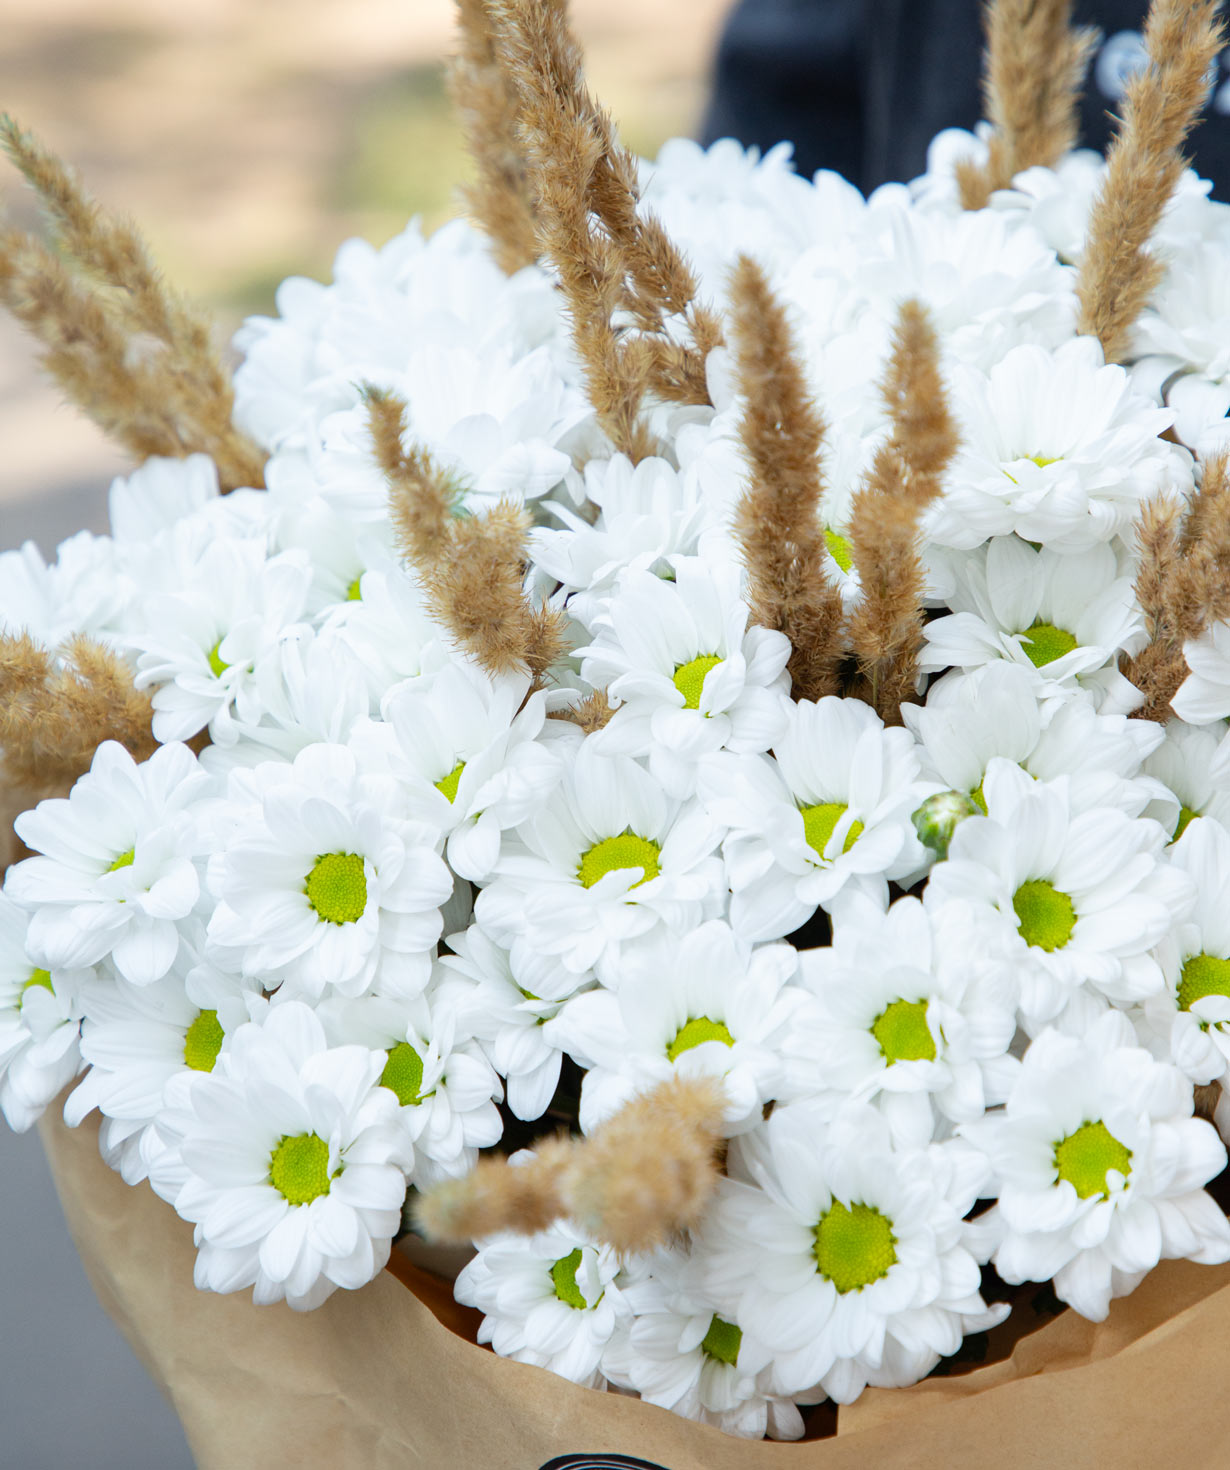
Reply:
x=885, y=543
x=121, y=345
x=642, y=1178
x=591, y=713
x=472, y=567
x=1143, y=165
x=1182, y=584
x=1033, y=68
x=777, y=520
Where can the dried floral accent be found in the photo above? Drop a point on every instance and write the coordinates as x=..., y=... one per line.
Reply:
x=885, y=542
x=121, y=345
x=777, y=520
x=54, y=714
x=613, y=260
x=1182, y=584
x=472, y=567
x=499, y=199
x=642, y=1178
x=1033, y=67
x=1143, y=165
x=591, y=713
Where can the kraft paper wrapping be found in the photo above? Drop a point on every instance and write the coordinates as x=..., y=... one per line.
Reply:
x=381, y=1379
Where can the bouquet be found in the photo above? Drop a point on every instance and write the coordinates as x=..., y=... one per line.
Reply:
x=673, y=735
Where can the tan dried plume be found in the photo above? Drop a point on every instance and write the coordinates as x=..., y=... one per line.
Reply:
x=1162, y=103
x=777, y=520
x=472, y=567
x=885, y=542
x=642, y=1178
x=1182, y=584
x=1033, y=67
x=121, y=345
x=612, y=259
x=591, y=713
x=54, y=716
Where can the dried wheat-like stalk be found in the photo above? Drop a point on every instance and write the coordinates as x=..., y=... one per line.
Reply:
x=54, y=715
x=121, y=345
x=777, y=520
x=590, y=714
x=1033, y=68
x=885, y=543
x=1143, y=166
x=642, y=1178
x=1182, y=584
x=472, y=567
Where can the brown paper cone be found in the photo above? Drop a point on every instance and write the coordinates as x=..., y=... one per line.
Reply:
x=376, y=1379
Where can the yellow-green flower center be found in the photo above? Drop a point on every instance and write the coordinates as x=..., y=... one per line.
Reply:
x=695, y=1033
x=978, y=797
x=337, y=887
x=689, y=678
x=125, y=860
x=41, y=978
x=217, y=664
x=564, y=1280
x=299, y=1168
x=1201, y=975
x=1186, y=815
x=1044, y=643
x=403, y=1074
x=354, y=593
x=722, y=1341
x=903, y=1033
x=819, y=823
x=203, y=1042
x=1042, y=460
x=613, y=853
x=839, y=549
x=1046, y=916
x=854, y=1246
x=447, y=785
x=1085, y=1157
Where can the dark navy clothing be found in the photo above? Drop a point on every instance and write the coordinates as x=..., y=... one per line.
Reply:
x=861, y=86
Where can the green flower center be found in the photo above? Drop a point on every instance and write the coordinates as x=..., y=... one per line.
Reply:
x=217, y=664
x=978, y=797
x=903, y=1033
x=689, y=678
x=1085, y=1157
x=1042, y=460
x=125, y=860
x=299, y=1168
x=722, y=1341
x=1186, y=815
x=839, y=549
x=447, y=785
x=819, y=823
x=695, y=1033
x=1046, y=917
x=613, y=853
x=337, y=887
x=1044, y=643
x=41, y=978
x=403, y=1074
x=203, y=1042
x=354, y=593
x=854, y=1246
x=1201, y=975
x=564, y=1279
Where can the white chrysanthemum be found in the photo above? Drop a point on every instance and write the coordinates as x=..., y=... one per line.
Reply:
x=1188, y=320
x=82, y=591
x=1071, y=899
x=514, y=993
x=294, y=1162
x=158, y=494
x=1100, y=1166
x=551, y=1299
x=39, y=1025
x=446, y=1087
x=608, y=858
x=703, y=1005
x=387, y=629
x=117, y=871
x=678, y=1353
x=832, y=809
x=324, y=880
x=844, y=1256
x=465, y=748
x=1062, y=617
x=1056, y=447
x=689, y=675
x=1193, y=767
x=907, y=1004
x=1204, y=696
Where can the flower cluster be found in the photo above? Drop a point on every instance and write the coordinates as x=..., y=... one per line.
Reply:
x=370, y=901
